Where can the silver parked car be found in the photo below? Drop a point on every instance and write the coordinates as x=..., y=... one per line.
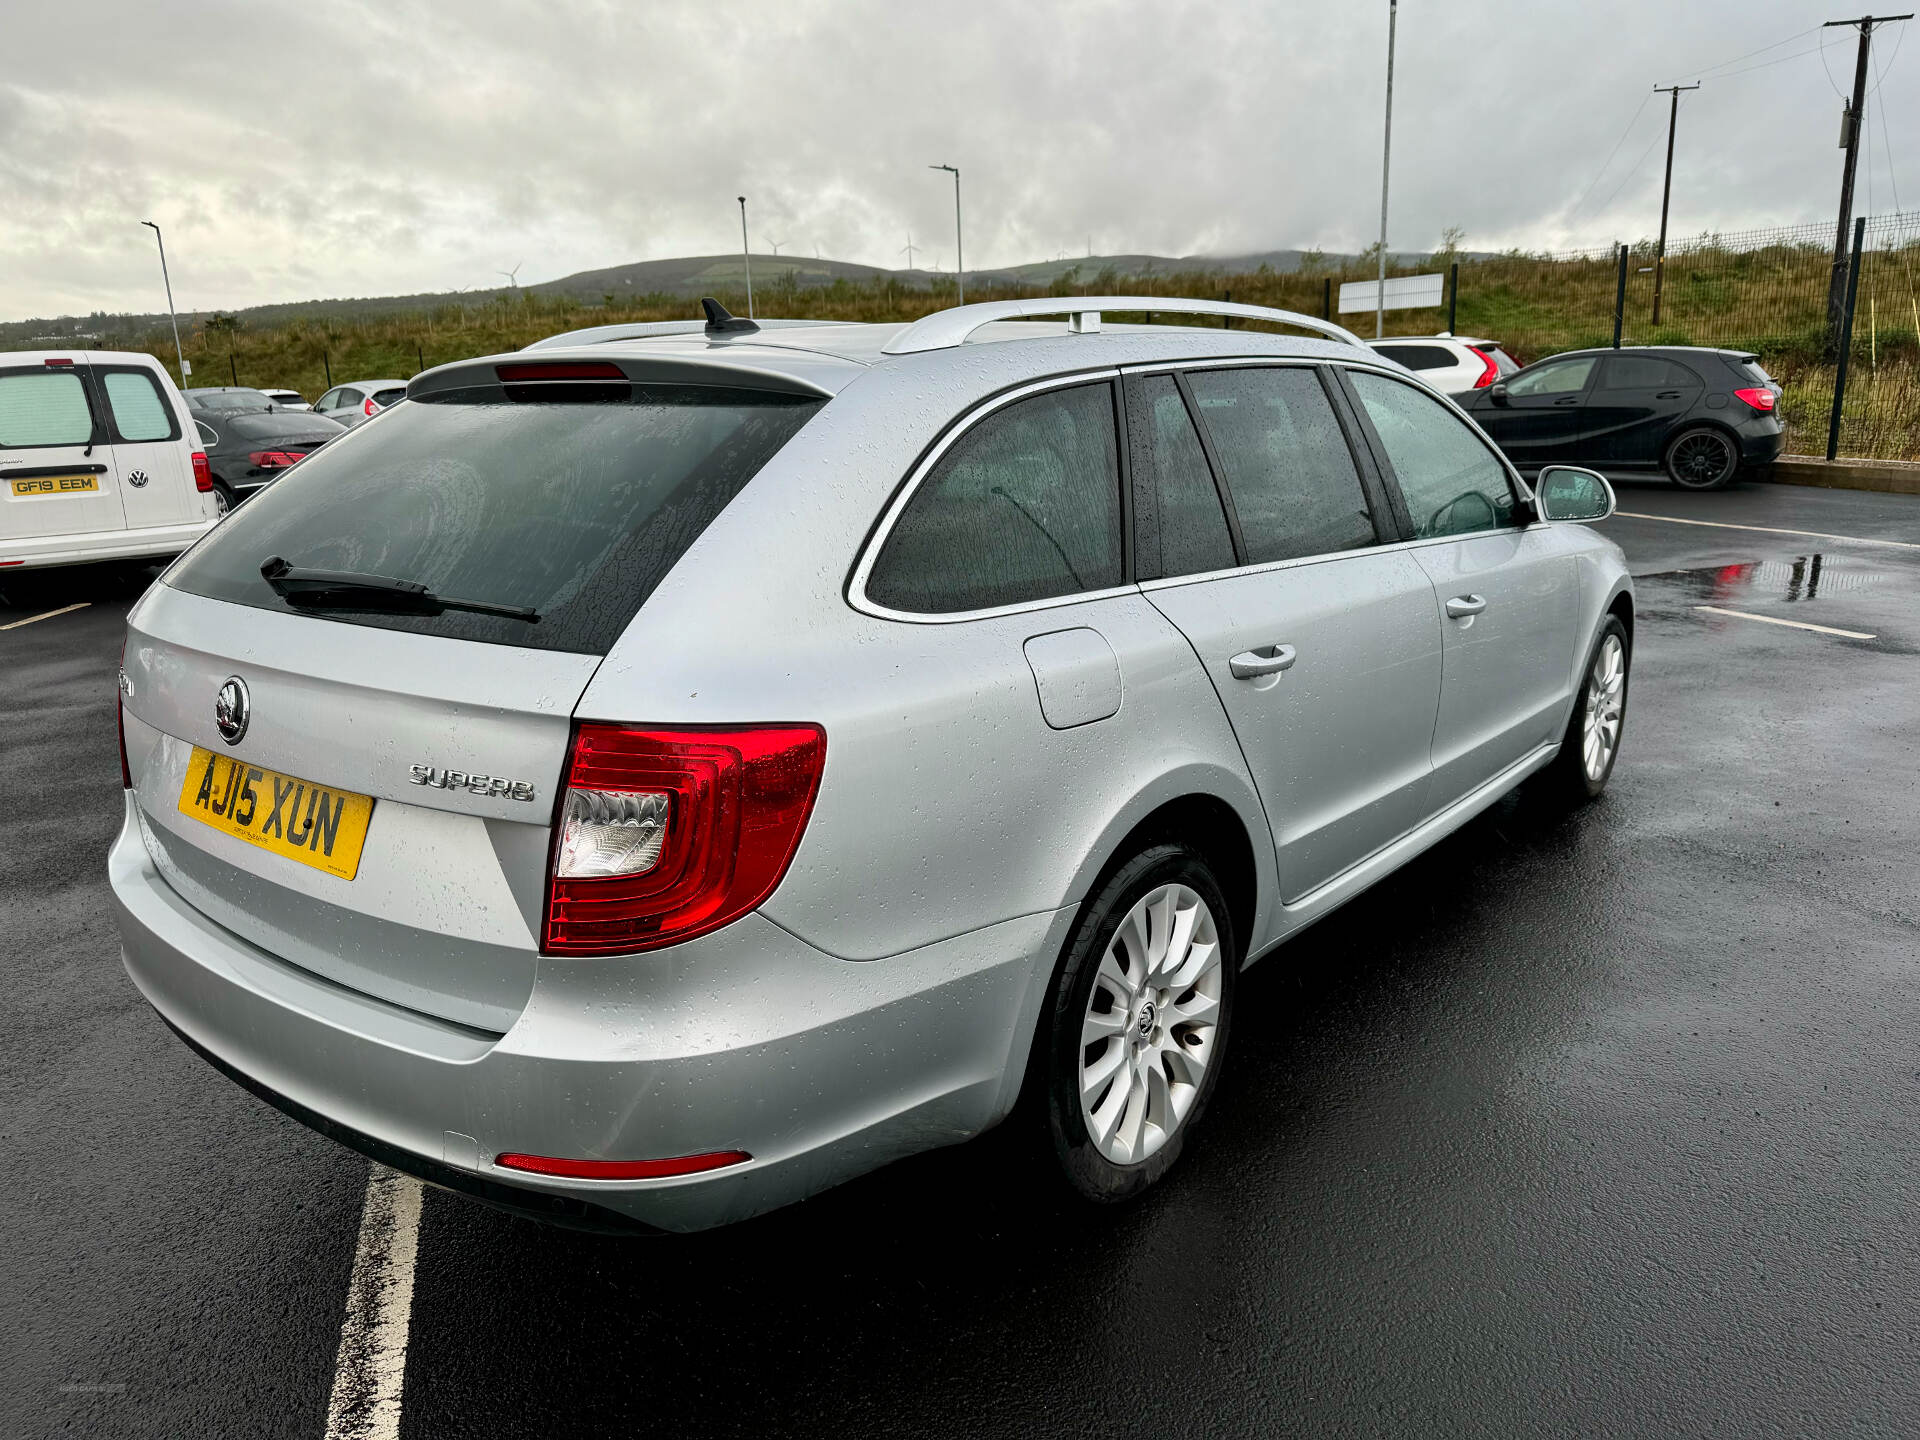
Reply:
x=654, y=776
x=349, y=405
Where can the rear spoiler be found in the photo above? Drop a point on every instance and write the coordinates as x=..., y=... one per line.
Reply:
x=640, y=369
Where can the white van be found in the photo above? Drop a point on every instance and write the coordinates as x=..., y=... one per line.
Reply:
x=99, y=460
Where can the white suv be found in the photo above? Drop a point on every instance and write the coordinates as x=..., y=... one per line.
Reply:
x=1451, y=364
x=98, y=460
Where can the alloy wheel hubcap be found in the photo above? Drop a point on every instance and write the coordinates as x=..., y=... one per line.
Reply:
x=1606, y=698
x=1151, y=1024
x=1703, y=458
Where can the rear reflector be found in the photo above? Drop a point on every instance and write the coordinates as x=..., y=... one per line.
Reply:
x=622, y=1169
x=663, y=835
x=561, y=370
x=202, y=473
x=1760, y=399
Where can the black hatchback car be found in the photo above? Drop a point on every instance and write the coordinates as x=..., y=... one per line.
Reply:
x=1698, y=415
x=250, y=441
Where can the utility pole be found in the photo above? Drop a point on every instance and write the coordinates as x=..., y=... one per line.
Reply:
x=959, y=255
x=746, y=253
x=1386, y=153
x=1666, y=193
x=178, y=353
x=1850, y=142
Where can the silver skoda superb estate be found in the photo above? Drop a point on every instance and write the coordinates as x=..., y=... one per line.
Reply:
x=649, y=778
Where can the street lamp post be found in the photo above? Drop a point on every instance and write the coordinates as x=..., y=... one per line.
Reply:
x=959, y=255
x=178, y=353
x=1386, y=152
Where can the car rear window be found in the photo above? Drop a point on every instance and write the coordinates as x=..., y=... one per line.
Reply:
x=1750, y=369
x=575, y=506
x=390, y=397
x=43, y=407
x=300, y=424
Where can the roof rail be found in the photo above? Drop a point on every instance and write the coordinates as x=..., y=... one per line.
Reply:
x=946, y=328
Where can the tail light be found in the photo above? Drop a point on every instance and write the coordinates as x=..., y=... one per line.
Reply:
x=1759, y=398
x=369, y=408
x=664, y=835
x=120, y=715
x=202, y=473
x=275, y=459
x=1490, y=374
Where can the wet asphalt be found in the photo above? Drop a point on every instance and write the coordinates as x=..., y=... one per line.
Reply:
x=1588, y=1124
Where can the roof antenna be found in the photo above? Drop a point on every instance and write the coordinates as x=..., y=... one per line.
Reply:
x=719, y=322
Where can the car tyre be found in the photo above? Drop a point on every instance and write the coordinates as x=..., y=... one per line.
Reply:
x=1142, y=999
x=223, y=500
x=1592, y=743
x=1702, y=458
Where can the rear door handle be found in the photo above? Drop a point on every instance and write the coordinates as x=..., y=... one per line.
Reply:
x=1461, y=606
x=1252, y=664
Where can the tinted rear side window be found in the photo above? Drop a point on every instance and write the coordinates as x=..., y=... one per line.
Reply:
x=1024, y=506
x=1294, y=486
x=1191, y=525
x=1420, y=357
x=576, y=508
x=43, y=407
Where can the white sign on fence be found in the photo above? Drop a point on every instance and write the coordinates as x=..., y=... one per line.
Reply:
x=1404, y=292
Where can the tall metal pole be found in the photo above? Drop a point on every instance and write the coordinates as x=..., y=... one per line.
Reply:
x=178, y=354
x=959, y=254
x=1846, y=339
x=1666, y=193
x=1850, y=142
x=1386, y=154
x=746, y=254
x=1453, y=296
x=1620, y=297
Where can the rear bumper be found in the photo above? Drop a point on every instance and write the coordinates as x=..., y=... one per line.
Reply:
x=36, y=551
x=1762, y=447
x=747, y=1039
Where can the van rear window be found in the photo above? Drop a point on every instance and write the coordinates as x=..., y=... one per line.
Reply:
x=573, y=508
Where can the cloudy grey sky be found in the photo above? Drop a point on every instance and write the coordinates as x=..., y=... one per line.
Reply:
x=299, y=150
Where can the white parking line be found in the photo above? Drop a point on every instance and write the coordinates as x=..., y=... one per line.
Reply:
x=1795, y=624
x=372, y=1366
x=48, y=615
x=1770, y=530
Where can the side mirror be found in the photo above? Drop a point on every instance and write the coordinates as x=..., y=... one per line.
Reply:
x=1566, y=492
x=1498, y=393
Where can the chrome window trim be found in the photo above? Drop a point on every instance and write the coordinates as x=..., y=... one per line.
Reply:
x=877, y=541
x=857, y=586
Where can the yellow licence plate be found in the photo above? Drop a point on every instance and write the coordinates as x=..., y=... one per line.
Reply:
x=316, y=825
x=56, y=485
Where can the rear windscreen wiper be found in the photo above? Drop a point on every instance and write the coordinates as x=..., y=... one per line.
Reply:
x=346, y=590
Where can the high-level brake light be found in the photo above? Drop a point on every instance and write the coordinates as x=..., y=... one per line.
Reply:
x=664, y=835
x=559, y=370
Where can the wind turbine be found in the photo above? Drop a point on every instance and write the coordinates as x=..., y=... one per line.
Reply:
x=513, y=275
x=776, y=244
x=908, y=249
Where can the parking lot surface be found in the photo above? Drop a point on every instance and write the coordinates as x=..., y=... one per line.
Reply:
x=1600, y=1124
